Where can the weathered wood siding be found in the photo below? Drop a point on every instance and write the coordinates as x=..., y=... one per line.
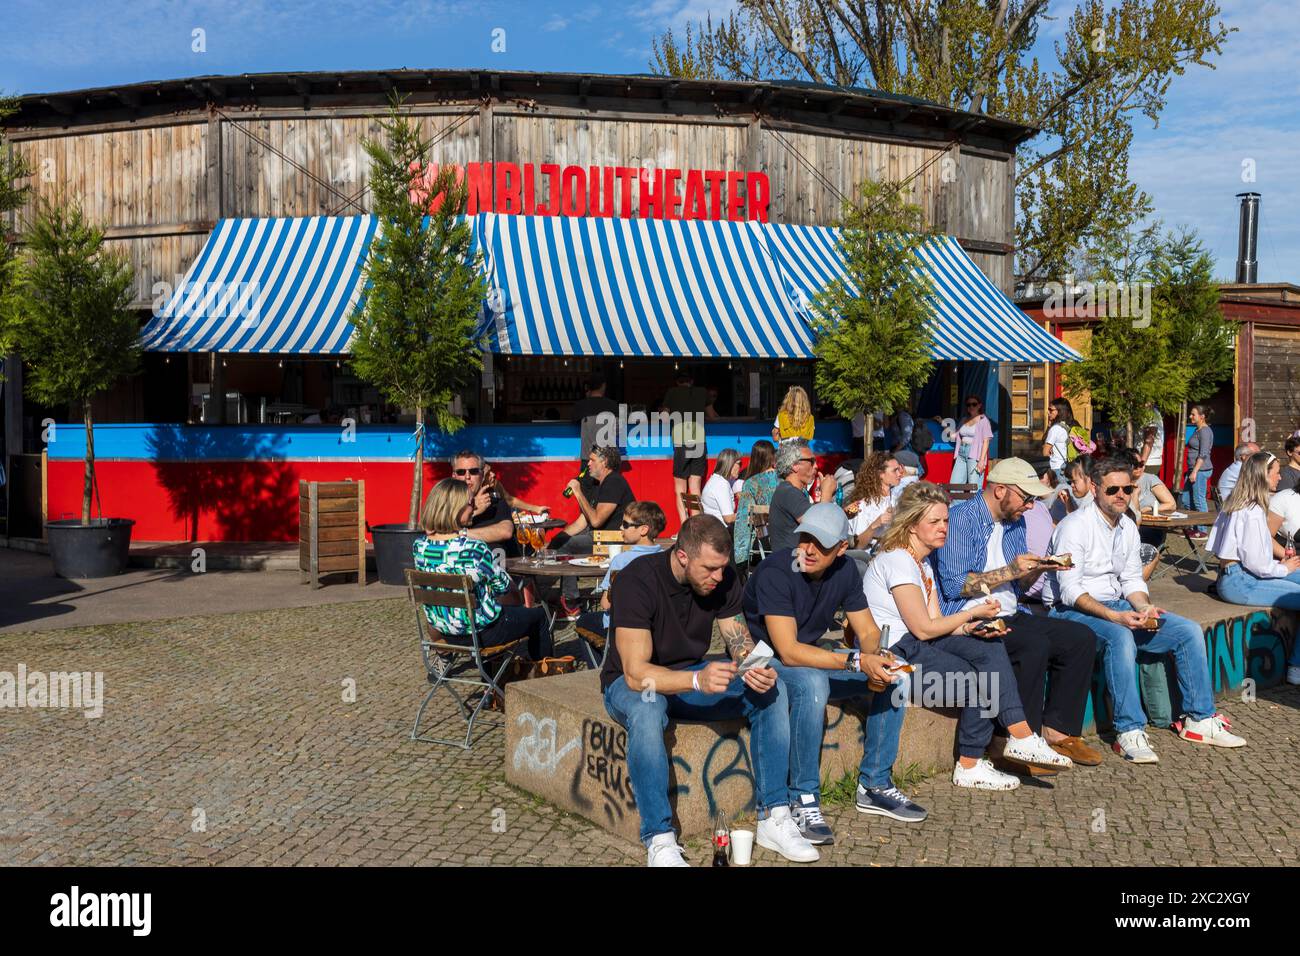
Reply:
x=1277, y=386
x=159, y=187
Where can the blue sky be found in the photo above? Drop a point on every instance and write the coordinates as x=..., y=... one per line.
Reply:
x=1247, y=109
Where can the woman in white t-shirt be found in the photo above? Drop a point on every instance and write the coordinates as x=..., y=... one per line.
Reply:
x=869, y=506
x=717, y=498
x=1060, y=419
x=902, y=595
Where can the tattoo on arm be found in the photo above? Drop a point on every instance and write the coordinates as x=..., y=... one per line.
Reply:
x=735, y=637
x=990, y=578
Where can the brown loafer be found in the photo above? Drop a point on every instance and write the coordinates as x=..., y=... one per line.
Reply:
x=1078, y=751
x=1023, y=769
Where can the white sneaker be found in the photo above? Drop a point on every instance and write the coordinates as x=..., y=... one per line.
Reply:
x=1133, y=745
x=1034, y=751
x=664, y=851
x=983, y=776
x=1212, y=731
x=1293, y=674
x=779, y=832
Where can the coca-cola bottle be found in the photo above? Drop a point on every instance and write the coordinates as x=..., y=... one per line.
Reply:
x=721, y=841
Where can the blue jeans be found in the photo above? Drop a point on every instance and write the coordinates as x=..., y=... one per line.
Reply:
x=809, y=689
x=1239, y=586
x=963, y=471
x=942, y=677
x=646, y=718
x=1192, y=497
x=1120, y=645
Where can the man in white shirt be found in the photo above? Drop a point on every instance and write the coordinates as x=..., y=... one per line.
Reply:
x=1105, y=591
x=1228, y=480
x=1286, y=504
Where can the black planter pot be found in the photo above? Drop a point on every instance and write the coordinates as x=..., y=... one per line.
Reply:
x=96, y=550
x=393, y=551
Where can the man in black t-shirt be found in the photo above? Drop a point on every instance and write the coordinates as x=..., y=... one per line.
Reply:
x=663, y=608
x=796, y=466
x=491, y=523
x=601, y=498
x=790, y=601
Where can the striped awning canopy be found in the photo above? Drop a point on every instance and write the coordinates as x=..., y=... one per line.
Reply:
x=972, y=320
x=284, y=286
x=574, y=286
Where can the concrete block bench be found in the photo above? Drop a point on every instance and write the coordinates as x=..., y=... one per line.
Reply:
x=564, y=747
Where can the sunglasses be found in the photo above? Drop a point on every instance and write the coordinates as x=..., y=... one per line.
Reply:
x=1116, y=489
x=972, y=404
x=631, y=524
x=459, y=472
x=812, y=460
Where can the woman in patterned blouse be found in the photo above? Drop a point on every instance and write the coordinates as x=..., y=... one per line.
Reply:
x=447, y=549
x=759, y=482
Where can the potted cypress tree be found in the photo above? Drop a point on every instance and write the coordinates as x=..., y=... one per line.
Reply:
x=417, y=335
x=67, y=314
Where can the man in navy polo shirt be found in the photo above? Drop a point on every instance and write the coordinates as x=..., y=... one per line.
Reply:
x=790, y=602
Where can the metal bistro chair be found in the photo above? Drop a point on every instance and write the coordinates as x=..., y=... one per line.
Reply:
x=443, y=659
x=692, y=504
x=595, y=640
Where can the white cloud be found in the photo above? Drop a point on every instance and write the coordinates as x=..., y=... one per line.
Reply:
x=556, y=22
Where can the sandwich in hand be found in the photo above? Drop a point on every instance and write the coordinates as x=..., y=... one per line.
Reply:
x=1057, y=561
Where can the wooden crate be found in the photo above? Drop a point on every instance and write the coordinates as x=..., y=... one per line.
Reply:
x=331, y=530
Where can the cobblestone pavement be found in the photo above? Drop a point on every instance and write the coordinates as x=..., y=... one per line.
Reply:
x=227, y=739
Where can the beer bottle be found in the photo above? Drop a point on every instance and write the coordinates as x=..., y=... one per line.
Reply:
x=568, y=492
x=721, y=840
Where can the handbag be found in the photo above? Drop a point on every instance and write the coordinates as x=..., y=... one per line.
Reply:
x=521, y=669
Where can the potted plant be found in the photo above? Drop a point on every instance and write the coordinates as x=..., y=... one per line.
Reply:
x=66, y=312
x=418, y=336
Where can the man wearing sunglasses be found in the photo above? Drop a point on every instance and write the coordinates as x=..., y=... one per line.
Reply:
x=610, y=495
x=491, y=521
x=796, y=467
x=987, y=555
x=1104, y=590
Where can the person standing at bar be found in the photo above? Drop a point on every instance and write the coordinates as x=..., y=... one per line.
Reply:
x=1197, y=483
x=596, y=417
x=970, y=454
x=685, y=403
x=795, y=418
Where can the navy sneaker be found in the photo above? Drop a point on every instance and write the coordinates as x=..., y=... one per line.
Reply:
x=889, y=802
x=807, y=814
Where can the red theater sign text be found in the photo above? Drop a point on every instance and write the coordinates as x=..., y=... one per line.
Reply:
x=553, y=190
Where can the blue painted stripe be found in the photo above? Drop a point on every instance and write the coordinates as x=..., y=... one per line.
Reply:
x=540, y=441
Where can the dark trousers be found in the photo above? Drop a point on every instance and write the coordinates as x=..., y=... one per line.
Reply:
x=516, y=622
x=1060, y=652
x=580, y=543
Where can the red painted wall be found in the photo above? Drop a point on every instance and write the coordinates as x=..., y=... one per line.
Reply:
x=258, y=501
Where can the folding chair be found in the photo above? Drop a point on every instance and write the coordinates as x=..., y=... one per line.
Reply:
x=444, y=659
x=601, y=540
x=594, y=639
x=692, y=504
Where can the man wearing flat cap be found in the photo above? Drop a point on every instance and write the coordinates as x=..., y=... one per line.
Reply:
x=986, y=556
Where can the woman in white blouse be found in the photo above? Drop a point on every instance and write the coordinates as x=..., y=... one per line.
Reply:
x=1253, y=569
x=868, y=506
x=717, y=498
x=903, y=598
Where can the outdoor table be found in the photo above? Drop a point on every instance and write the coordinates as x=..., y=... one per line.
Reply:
x=1194, y=519
x=536, y=568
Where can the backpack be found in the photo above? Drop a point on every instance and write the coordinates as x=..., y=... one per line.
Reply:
x=1079, y=443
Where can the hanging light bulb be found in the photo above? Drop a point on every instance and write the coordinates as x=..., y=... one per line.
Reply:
x=620, y=363
x=281, y=363
x=167, y=360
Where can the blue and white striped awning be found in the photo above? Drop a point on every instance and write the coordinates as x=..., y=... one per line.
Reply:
x=972, y=319
x=268, y=286
x=604, y=286
x=574, y=286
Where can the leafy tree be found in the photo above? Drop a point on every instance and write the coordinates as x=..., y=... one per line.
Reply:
x=1115, y=61
x=13, y=168
x=67, y=313
x=1201, y=339
x=872, y=331
x=417, y=335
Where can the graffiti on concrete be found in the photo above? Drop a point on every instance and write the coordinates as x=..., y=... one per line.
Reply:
x=604, y=763
x=537, y=749
x=1255, y=646
x=728, y=758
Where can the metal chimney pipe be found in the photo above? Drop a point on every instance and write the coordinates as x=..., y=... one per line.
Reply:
x=1247, y=234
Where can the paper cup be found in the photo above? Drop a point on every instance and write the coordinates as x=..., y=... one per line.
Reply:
x=742, y=847
x=615, y=550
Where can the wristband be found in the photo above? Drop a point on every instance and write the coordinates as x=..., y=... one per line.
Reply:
x=695, y=680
